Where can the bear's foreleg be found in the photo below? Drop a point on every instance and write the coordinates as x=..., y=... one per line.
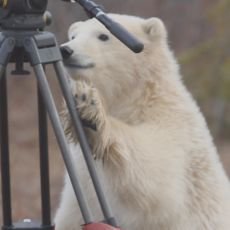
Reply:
x=103, y=140
x=91, y=111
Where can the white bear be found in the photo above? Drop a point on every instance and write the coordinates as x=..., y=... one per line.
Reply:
x=152, y=147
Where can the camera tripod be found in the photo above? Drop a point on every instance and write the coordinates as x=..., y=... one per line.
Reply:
x=39, y=49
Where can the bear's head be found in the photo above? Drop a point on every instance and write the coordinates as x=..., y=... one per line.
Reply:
x=119, y=74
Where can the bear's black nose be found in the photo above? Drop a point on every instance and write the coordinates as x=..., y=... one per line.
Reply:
x=66, y=52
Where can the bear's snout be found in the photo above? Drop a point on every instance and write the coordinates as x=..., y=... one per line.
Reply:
x=66, y=52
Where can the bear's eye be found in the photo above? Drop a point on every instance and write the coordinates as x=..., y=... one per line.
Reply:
x=103, y=37
x=73, y=37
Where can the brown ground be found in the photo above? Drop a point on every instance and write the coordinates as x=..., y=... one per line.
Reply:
x=24, y=150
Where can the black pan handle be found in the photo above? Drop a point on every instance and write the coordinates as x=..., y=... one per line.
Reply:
x=94, y=10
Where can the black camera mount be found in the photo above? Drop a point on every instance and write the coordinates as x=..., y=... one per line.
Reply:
x=24, y=6
x=20, y=44
x=22, y=14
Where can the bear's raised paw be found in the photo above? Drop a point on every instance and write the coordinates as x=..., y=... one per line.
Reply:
x=89, y=106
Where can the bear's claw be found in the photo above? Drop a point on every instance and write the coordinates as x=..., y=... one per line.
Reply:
x=88, y=104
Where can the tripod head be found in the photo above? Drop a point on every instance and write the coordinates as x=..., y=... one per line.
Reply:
x=22, y=14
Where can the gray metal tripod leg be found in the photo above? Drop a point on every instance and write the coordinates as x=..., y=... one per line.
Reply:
x=45, y=91
x=6, y=47
x=66, y=89
x=2, y=71
x=5, y=156
x=56, y=123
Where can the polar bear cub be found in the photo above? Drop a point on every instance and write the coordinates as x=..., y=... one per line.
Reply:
x=152, y=147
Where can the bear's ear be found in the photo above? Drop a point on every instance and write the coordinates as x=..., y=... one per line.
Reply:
x=155, y=28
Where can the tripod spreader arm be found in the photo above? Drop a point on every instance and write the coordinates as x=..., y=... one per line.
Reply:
x=115, y=28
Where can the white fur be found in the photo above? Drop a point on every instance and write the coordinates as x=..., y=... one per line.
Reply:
x=161, y=169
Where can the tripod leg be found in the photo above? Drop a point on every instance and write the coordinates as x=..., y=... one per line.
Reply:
x=5, y=161
x=59, y=68
x=44, y=161
x=2, y=71
x=44, y=88
x=56, y=123
x=6, y=47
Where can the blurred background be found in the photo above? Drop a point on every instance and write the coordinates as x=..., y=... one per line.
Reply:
x=199, y=34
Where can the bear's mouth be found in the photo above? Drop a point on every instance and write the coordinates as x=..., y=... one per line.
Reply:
x=79, y=61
